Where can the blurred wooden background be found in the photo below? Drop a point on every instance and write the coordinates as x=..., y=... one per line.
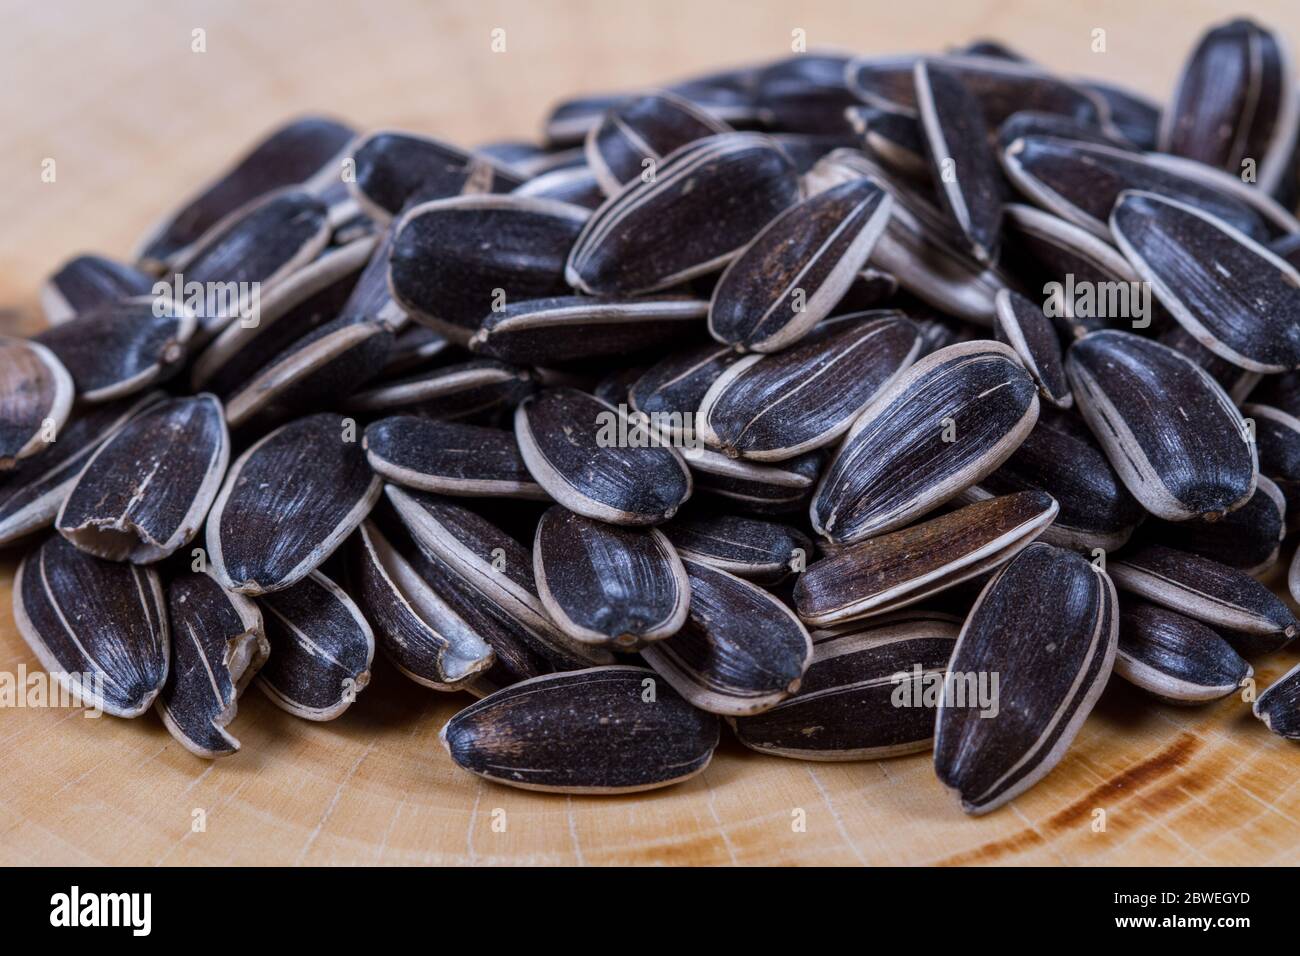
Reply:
x=135, y=121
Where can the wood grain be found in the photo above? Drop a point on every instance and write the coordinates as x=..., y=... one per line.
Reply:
x=135, y=120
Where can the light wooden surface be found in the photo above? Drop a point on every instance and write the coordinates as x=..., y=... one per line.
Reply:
x=135, y=120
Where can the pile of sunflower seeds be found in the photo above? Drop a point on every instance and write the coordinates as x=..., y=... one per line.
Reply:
x=876, y=405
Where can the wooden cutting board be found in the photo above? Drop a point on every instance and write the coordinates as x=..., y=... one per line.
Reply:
x=134, y=120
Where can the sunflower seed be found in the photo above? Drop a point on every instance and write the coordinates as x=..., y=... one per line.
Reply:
x=146, y=491
x=1171, y=433
x=846, y=706
x=1235, y=380
x=99, y=628
x=496, y=565
x=597, y=731
x=728, y=95
x=1046, y=626
x=121, y=348
x=1132, y=115
x=894, y=570
x=571, y=120
x=392, y=168
x=35, y=398
x=302, y=303
x=1024, y=327
x=774, y=407
x=670, y=391
x=415, y=347
x=1061, y=457
x=1248, y=538
x=32, y=493
x=798, y=267
x=894, y=137
x=965, y=169
x=609, y=586
x=321, y=649
x=1279, y=220
x=457, y=260
x=774, y=488
x=305, y=150
x=760, y=551
x=1236, y=102
x=1029, y=123
x=1279, y=705
x=571, y=444
x=961, y=411
x=218, y=646
x=576, y=186
x=638, y=133
x=1080, y=182
x=1277, y=441
x=287, y=503
x=331, y=361
x=572, y=328
x=423, y=637
x=705, y=203
x=88, y=282
x=1236, y=298
x=741, y=651
x=448, y=458
x=804, y=93
x=452, y=391
x=1249, y=615
x=1177, y=659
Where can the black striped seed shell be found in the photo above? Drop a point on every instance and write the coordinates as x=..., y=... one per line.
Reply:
x=1080, y=182
x=87, y=282
x=288, y=502
x=847, y=707
x=804, y=93
x=1236, y=381
x=218, y=646
x=1132, y=115
x=491, y=562
x=592, y=460
x=1236, y=298
x=948, y=421
x=1249, y=615
x=1031, y=123
x=707, y=201
x=1236, y=102
x=1047, y=626
x=1279, y=706
x=893, y=136
x=575, y=185
x=897, y=569
x=1170, y=431
x=146, y=491
x=638, y=133
x=774, y=407
x=774, y=488
x=121, y=348
x=798, y=267
x=457, y=260
x=31, y=494
x=670, y=391
x=99, y=628
x=573, y=328
x=449, y=458
x=962, y=161
x=1177, y=659
x=303, y=150
x=1023, y=325
x=35, y=398
x=321, y=649
x=1277, y=442
x=603, y=730
x=741, y=651
x=1248, y=538
x=610, y=586
x=452, y=391
x=417, y=630
x=760, y=551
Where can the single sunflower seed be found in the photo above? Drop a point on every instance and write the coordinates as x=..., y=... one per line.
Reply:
x=602, y=730
x=591, y=459
x=848, y=706
x=1046, y=626
x=36, y=394
x=449, y=458
x=1023, y=326
x=1248, y=538
x=98, y=627
x=1279, y=706
x=1170, y=431
x=461, y=390
x=87, y=282
x=670, y=392
x=1174, y=657
x=764, y=552
x=288, y=502
x=145, y=492
x=948, y=421
x=321, y=649
x=638, y=133
x=768, y=488
x=609, y=586
x=218, y=646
